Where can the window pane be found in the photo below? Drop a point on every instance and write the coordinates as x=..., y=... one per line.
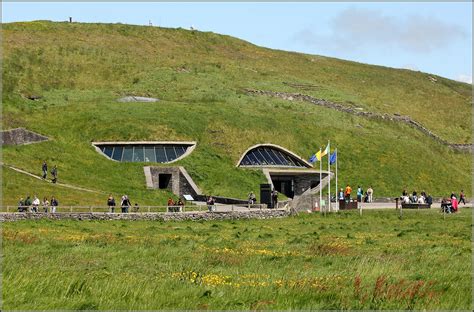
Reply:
x=160, y=154
x=170, y=153
x=253, y=160
x=261, y=157
x=246, y=161
x=117, y=155
x=269, y=156
x=150, y=154
x=108, y=150
x=180, y=150
x=280, y=161
x=138, y=154
x=127, y=153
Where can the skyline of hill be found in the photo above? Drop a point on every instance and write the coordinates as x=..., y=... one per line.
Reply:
x=201, y=79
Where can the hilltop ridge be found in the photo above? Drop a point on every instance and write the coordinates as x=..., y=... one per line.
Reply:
x=80, y=70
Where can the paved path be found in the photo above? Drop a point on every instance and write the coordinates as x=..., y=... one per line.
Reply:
x=392, y=205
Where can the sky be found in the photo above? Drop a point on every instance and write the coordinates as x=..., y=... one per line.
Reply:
x=433, y=37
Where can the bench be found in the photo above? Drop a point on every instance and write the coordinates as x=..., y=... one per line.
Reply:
x=343, y=205
x=415, y=206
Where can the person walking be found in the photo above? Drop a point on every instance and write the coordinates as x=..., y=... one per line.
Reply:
x=347, y=193
x=54, y=173
x=27, y=203
x=210, y=204
x=125, y=204
x=45, y=204
x=21, y=205
x=36, y=203
x=111, y=203
x=370, y=193
x=275, y=199
x=54, y=204
x=170, y=205
x=45, y=169
x=462, y=197
x=360, y=192
x=341, y=194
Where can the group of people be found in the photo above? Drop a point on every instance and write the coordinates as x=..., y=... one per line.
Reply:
x=174, y=206
x=366, y=196
x=125, y=204
x=54, y=172
x=35, y=205
x=451, y=204
x=414, y=198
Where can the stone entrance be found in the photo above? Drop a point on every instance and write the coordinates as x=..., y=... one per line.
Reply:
x=175, y=179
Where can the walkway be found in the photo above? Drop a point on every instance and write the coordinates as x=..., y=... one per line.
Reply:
x=48, y=181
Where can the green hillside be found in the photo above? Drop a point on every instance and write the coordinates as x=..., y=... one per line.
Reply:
x=81, y=69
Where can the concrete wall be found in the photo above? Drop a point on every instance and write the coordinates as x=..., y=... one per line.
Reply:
x=197, y=216
x=20, y=136
x=180, y=183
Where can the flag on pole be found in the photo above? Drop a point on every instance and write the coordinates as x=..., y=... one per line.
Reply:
x=318, y=155
x=333, y=157
x=312, y=159
x=326, y=151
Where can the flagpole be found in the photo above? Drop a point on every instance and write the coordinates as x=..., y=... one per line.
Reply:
x=320, y=178
x=329, y=177
x=337, y=190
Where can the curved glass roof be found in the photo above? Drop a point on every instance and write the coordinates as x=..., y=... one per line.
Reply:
x=267, y=156
x=160, y=153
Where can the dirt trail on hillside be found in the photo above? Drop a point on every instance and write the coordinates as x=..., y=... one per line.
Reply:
x=47, y=181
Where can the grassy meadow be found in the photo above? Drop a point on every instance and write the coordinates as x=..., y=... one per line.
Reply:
x=80, y=70
x=340, y=261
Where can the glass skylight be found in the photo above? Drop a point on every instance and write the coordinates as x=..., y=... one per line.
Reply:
x=269, y=156
x=161, y=153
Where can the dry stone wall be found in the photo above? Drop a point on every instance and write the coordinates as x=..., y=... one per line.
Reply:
x=188, y=216
x=339, y=107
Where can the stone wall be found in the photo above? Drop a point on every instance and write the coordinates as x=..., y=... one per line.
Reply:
x=188, y=216
x=20, y=136
x=339, y=107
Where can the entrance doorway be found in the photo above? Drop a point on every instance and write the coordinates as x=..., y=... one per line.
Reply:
x=284, y=185
x=164, y=180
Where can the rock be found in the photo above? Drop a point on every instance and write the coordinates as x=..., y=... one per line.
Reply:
x=34, y=97
x=129, y=99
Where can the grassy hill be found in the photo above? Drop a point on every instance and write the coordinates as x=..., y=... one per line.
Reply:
x=81, y=69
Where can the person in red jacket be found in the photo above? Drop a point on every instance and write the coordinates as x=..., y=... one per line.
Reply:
x=454, y=203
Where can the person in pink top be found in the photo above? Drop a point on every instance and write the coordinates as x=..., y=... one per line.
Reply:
x=454, y=203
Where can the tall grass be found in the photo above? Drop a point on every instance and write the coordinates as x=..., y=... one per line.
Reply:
x=341, y=261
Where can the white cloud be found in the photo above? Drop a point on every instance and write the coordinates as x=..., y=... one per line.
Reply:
x=464, y=78
x=356, y=28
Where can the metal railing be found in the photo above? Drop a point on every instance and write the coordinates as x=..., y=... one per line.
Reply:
x=133, y=209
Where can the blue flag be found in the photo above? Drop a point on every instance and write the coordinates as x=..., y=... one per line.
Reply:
x=332, y=158
x=312, y=159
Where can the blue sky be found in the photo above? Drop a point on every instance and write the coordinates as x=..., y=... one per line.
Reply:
x=431, y=37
